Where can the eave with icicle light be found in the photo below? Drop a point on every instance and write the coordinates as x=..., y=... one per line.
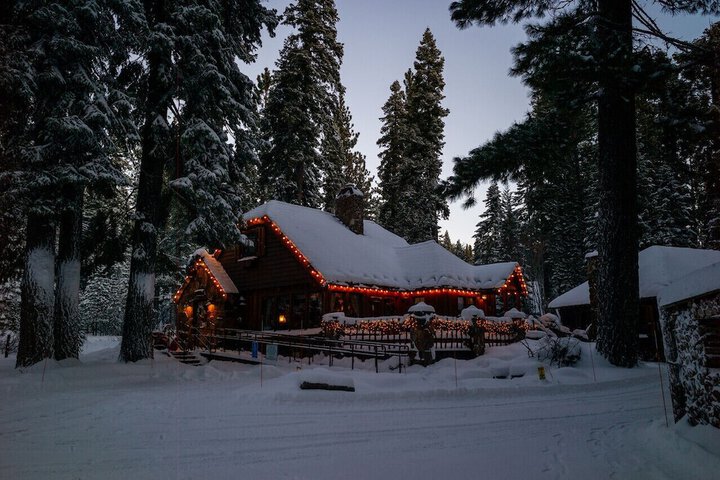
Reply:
x=207, y=294
x=299, y=263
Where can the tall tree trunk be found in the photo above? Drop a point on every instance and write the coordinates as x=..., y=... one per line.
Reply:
x=36, y=305
x=712, y=175
x=68, y=338
x=138, y=322
x=619, y=305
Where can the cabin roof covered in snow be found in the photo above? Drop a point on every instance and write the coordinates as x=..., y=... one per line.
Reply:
x=699, y=282
x=217, y=270
x=579, y=295
x=658, y=267
x=377, y=258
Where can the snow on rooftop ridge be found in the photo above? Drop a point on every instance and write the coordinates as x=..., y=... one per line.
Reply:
x=696, y=283
x=217, y=270
x=378, y=257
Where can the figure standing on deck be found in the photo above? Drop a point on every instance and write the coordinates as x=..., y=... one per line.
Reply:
x=422, y=336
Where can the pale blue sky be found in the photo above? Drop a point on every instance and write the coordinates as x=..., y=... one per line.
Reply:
x=380, y=38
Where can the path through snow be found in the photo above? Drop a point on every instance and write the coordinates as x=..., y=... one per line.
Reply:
x=161, y=419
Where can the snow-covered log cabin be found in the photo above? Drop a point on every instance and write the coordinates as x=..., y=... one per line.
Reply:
x=658, y=267
x=300, y=263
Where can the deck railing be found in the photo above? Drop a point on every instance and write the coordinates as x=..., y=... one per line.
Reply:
x=356, y=341
x=236, y=340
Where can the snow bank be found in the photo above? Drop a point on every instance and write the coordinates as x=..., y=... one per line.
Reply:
x=99, y=418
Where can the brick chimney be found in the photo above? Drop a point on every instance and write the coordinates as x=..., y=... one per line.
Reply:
x=349, y=208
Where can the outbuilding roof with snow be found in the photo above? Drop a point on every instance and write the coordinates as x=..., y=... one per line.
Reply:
x=658, y=267
x=217, y=270
x=695, y=284
x=378, y=257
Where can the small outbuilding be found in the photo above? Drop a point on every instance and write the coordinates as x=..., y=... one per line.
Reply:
x=658, y=267
x=690, y=319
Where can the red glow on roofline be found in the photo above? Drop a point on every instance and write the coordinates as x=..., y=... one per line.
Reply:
x=200, y=263
x=517, y=272
x=291, y=246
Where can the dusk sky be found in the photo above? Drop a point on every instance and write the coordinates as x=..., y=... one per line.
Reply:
x=380, y=38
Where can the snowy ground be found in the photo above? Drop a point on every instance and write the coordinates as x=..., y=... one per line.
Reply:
x=161, y=419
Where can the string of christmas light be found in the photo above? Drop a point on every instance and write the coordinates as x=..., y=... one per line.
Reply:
x=291, y=246
x=333, y=328
x=200, y=264
x=516, y=276
x=377, y=291
x=405, y=293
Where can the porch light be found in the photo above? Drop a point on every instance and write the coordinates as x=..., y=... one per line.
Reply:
x=282, y=319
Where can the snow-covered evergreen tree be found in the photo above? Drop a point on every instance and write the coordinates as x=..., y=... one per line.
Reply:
x=344, y=163
x=59, y=67
x=420, y=205
x=665, y=197
x=200, y=109
x=393, y=137
x=9, y=307
x=216, y=116
x=445, y=241
x=601, y=65
x=487, y=247
x=102, y=301
x=700, y=73
x=510, y=226
x=298, y=114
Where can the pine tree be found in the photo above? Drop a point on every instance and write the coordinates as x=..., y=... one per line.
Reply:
x=664, y=193
x=102, y=301
x=459, y=250
x=445, y=241
x=712, y=176
x=344, y=164
x=509, y=227
x=701, y=69
x=488, y=248
x=420, y=206
x=304, y=92
x=15, y=101
x=191, y=84
x=392, y=155
x=59, y=69
x=611, y=65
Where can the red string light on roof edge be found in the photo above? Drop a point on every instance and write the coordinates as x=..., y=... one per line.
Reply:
x=354, y=289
